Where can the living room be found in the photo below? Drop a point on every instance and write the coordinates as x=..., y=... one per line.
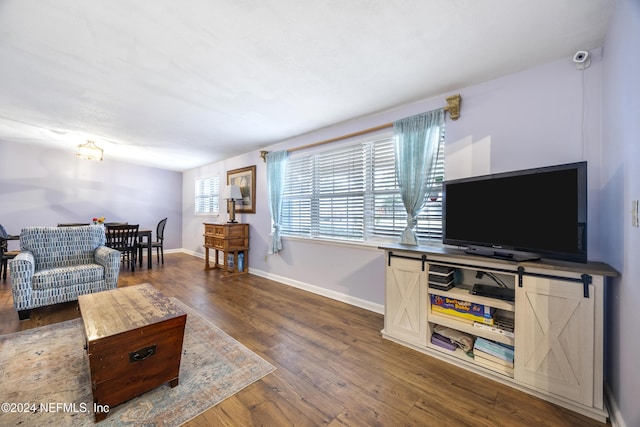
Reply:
x=549, y=114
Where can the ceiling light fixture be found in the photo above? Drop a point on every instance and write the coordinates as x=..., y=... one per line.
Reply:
x=89, y=151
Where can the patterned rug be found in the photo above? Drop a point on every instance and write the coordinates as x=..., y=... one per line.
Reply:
x=45, y=378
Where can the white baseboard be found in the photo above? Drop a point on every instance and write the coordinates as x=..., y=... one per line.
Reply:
x=615, y=417
x=173, y=251
x=347, y=299
x=170, y=251
x=188, y=252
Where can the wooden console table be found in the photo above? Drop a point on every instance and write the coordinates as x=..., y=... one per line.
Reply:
x=232, y=239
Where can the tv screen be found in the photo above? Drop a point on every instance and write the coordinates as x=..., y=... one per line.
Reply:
x=528, y=214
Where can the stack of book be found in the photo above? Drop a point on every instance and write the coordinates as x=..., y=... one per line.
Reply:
x=441, y=277
x=506, y=324
x=462, y=309
x=442, y=341
x=501, y=325
x=493, y=355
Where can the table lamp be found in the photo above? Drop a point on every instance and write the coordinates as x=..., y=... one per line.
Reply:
x=232, y=193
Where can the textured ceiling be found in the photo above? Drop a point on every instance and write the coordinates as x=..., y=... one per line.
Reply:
x=179, y=84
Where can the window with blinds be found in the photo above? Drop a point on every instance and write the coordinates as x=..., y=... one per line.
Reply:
x=350, y=193
x=207, y=195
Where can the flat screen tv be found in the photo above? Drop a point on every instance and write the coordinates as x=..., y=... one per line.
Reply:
x=521, y=215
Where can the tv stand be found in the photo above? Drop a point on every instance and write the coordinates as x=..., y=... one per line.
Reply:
x=557, y=318
x=508, y=256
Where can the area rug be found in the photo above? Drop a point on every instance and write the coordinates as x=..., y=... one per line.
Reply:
x=45, y=378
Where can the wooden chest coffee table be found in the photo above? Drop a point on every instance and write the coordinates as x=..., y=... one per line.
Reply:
x=133, y=341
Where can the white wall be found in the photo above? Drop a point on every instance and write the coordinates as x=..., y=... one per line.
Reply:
x=40, y=186
x=529, y=119
x=621, y=184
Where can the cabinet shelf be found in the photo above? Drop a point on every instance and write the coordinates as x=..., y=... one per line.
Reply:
x=459, y=354
x=466, y=326
x=462, y=292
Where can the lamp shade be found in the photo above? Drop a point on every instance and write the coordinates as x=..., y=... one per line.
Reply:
x=89, y=151
x=232, y=192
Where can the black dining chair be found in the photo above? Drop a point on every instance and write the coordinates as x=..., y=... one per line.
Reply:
x=125, y=239
x=5, y=253
x=159, y=242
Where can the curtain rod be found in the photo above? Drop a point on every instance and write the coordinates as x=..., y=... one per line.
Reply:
x=453, y=107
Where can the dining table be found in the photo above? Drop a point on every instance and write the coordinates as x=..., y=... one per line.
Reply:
x=4, y=240
x=10, y=237
x=4, y=248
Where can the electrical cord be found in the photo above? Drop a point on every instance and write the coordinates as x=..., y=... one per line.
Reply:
x=495, y=278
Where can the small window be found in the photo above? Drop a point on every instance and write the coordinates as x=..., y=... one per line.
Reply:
x=207, y=196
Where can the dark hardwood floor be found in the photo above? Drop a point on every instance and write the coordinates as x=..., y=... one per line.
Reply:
x=333, y=366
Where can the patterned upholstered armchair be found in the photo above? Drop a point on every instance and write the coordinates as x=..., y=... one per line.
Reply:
x=57, y=264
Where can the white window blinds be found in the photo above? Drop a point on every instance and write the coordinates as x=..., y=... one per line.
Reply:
x=350, y=193
x=340, y=188
x=207, y=195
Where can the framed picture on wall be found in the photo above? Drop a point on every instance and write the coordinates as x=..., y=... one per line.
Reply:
x=245, y=178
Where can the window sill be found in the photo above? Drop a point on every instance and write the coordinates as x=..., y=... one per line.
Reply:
x=368, y=245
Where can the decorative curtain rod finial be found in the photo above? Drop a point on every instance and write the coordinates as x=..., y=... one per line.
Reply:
x=453, y=106
x=90, y=151
x=263, y=155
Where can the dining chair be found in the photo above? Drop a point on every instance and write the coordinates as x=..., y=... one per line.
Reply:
x=5, y=253
x=159, y=242
x=125, y=239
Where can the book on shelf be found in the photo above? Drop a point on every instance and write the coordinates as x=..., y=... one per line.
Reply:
x=461, y=339
x=489, y=364
x=504, y=323
x=467, y=316
x=495, y=328
x=461, y=306
x=502, y=351
x=442, y=341
x=479, y=353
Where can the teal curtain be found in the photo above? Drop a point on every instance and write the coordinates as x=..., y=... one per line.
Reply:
x=417, y=141
x=276, y=167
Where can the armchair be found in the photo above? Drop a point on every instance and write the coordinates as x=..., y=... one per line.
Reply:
x=57, y=264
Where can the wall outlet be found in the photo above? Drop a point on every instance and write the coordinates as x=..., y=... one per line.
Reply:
x=635, y=221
